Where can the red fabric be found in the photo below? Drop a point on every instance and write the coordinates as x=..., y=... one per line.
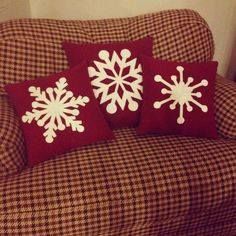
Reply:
x=162, y=120
x=95, y=126
x=116, y=114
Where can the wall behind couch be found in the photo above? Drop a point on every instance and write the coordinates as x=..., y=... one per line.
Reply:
x=11, y=9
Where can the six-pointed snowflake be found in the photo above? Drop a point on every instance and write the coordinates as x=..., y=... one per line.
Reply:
x=55, y=109
x=181, y=93
x=117, y=79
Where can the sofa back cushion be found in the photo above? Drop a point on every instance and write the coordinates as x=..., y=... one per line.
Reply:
x=32, y=47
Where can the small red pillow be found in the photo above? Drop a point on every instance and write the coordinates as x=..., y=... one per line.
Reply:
x=178, y=98
x=58, y=113
x=116, y=76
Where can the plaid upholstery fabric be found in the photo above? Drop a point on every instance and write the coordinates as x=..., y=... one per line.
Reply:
x=32, y=47
x=225, y=104
x=132, y=186
x=12, y=153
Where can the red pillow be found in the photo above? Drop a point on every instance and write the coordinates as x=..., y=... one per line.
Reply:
x=178, y=98
x=58, y=113
x=116, y=76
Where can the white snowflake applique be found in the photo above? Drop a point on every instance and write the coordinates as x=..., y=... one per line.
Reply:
x=181, y=93
x=55, y=109
x=117, y=79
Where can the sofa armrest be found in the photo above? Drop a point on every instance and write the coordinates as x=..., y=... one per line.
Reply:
x=225, y=107
x=12, y=153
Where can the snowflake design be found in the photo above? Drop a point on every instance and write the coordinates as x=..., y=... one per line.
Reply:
x=55, y=109
x=118, y=87
x=181, y=93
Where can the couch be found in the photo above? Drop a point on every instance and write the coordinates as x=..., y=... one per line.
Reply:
x=135, y=184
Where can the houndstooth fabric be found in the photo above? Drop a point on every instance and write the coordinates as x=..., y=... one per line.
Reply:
x=134, y=185
x=12, y=152
x=225, y=107
x=31, y=48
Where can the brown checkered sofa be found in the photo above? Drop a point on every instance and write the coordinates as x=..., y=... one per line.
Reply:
x=133, y=185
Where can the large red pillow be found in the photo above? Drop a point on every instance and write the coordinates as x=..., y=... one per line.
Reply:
x=58, y=113
x=178, y=98
x=116, y=76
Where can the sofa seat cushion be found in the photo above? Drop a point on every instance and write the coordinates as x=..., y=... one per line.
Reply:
x=133, y=184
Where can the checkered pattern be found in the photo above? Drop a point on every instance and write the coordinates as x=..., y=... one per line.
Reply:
x=31, y=48
x=225, y=104
x=12, y=153
x=133, y=185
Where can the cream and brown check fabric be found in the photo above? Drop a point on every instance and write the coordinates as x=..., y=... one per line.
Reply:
x=134, y=185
